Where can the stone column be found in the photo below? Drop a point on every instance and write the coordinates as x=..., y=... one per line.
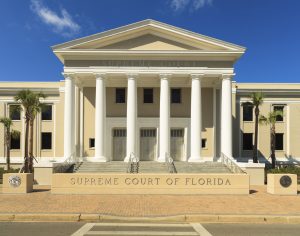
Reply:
x=131, y=116
x=196, y=119
x=226, y=116
x=164, y=118
x=69, y=117
x=100, y=115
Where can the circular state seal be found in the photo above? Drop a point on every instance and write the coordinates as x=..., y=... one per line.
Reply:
x=14, y=181
x=285, y=181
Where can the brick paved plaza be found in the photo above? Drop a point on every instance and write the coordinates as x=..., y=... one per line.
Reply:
x=256, y=203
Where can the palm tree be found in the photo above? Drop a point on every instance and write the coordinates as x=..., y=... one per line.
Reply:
x=257, y=100
x=27, y=99
x=271, y=120
x=35, y=109
x=8, y=133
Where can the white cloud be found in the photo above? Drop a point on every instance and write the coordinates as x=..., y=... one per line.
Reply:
x=62, y=24
x=179, y=5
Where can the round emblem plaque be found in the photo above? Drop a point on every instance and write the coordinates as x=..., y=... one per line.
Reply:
x=285, y=181
x=14, y=181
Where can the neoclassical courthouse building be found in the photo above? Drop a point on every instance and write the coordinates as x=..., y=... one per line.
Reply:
x=151, y=90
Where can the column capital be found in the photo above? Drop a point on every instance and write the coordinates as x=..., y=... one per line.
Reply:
x=197, y=76
x=100, y=75
x=227, y=76
x=132, y=75
x=165, y=76
x=68, y=75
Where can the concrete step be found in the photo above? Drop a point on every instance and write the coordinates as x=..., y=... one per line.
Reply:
x=151, y=167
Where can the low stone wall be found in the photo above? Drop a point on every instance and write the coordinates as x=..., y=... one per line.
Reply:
x=113, y=183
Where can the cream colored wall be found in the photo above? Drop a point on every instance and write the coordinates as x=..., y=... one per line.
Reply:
x=53, y=126
x=2, y=152
x=290, y=127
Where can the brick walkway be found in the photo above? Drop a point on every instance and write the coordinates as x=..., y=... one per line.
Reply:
x=258, y=202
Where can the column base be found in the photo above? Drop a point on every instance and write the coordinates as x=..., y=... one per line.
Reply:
x=97, y=159
x=195, y=159
x=161, y=159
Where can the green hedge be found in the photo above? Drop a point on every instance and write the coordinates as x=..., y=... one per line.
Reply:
x=285, y=170
x=2, y=171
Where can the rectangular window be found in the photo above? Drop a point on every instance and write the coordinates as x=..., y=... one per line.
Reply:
x=204, y=141
x=279, y=142
x=15, y=142
x=47, y=112
x=175, y=95
x=247, y=113
x=247, y=141
x=120, y=95
x=46, y=143
x=279, y=108
x=14, y=112
x=148, y=95
x=92, y=143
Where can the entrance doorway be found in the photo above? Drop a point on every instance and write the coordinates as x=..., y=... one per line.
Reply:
x=177, y=144
x=147, y=144
x=119, y=144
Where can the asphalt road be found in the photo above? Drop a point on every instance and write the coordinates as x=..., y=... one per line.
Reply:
x=77, y=229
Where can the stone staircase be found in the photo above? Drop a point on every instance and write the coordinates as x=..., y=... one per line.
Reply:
x=101, y=167
x=203, y=167
x=151, y=167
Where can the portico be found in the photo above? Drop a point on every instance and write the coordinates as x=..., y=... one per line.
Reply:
x=132, y=123
x=153, y=59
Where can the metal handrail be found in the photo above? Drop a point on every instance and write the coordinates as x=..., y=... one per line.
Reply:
x=71, y=159
x=133, y=164
x=231, y=164
x=170, y=164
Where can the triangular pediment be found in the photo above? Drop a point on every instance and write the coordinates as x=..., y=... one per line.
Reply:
x=148, y=35
x=149, y=42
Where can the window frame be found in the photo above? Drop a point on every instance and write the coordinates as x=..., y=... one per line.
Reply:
x=43, y=148
x=50, y=105
x=243, y=145
x=90, y=142
x=152, y=96
x=20, y=115
x=205, y=143
x=243, y=112
x=274, y=109
x=15, y=149
x=180, y=95
x=282, y=135
x=116, y=96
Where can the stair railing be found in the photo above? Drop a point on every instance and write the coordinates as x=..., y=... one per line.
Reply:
x=231, y=164
x=170, y=164
x=133, y=164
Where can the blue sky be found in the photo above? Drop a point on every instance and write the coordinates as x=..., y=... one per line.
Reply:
x=270, y=29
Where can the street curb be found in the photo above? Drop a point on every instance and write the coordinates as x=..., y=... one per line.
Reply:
x=76, y=217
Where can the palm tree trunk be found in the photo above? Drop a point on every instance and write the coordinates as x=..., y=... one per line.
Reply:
x=31, y=146
x=26, y=166
x=8, y=149
x=255, y=159
x=273, y=158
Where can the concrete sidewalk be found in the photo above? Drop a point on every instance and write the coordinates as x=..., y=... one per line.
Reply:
x=258, y=206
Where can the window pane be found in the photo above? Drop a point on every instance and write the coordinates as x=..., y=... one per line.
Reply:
x=46, y=140
x=47, y=112
x=279, y=108
x=247, y=113
x=247, y=141
x=203, y=143
x=120, y=95
x=148, y=95
x=278, y=141
x=15, y=142
x=92, y=143
x=14, y=112
x=176, y=96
